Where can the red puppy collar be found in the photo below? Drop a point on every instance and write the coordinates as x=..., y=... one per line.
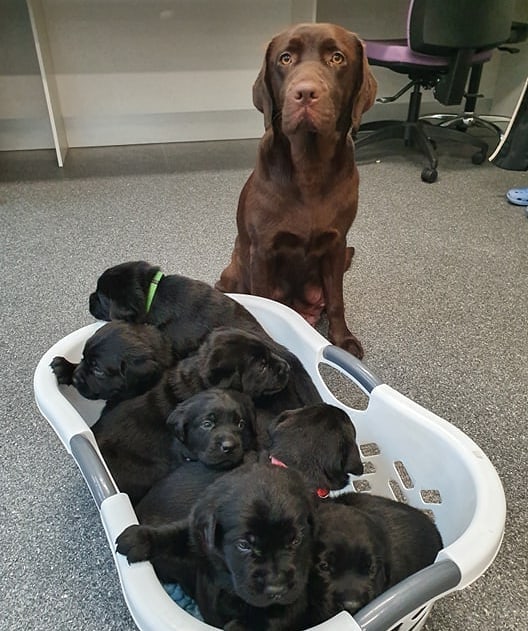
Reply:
x=321, y=493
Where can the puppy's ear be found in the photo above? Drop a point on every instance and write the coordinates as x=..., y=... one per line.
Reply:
x=365, y=92
x=177, y=421
x=205, y=526
x=262, y=90
x=143, y=372
x=222, y=370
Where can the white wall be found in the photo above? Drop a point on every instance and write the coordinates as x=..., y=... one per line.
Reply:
x=24, y=122
x=133, y=71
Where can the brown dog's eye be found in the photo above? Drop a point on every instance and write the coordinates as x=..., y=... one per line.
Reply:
x=285, y=59
x=337, y=58
x=241, y=423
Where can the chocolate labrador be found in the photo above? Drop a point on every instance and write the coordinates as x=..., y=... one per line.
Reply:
x=299, y=203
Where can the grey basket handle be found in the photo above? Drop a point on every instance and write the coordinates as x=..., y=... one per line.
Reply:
x=94, y=472
x=412, y=593
x=355, y=368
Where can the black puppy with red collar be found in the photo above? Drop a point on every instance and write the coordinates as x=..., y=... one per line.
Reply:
x=318, y=441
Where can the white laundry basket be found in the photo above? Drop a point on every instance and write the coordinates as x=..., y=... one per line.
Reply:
x=409, y=454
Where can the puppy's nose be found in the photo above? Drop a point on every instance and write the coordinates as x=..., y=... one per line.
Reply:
x=77, y=379
x=227, y=445
x=276, y=590
x=306, y=92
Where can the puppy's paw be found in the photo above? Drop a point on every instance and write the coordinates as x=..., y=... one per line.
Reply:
x=135, y=543
x=63, y=370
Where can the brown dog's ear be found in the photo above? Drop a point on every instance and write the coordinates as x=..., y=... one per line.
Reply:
x=262, y=96
x=365, y=94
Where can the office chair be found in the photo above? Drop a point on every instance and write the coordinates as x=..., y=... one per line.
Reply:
x=468, y=117
x=445, y=39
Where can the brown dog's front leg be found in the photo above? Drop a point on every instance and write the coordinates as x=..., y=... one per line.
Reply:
x=333, y=269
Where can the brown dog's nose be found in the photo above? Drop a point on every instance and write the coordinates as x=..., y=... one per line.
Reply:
x=306, y=92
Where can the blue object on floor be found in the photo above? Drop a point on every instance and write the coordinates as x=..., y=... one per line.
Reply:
x=518, y=196
x=182, y=599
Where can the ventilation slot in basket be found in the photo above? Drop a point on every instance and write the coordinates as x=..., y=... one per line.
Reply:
x=431, y=496
x=397, y=491
x=361, y=486
x=404, y=474
x=369, y=449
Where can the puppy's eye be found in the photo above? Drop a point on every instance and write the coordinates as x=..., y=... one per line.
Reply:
x=243, y=545
x=241, y=423
x=263, y=364
x=337, y=58
x=296, y=540
x=285, y=59
x=323, y=566
x=97, y=372
x=207, y=423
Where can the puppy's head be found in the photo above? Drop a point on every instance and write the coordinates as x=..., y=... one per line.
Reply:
x=319, y=441
x=121, y=360
x=216, y=426
x=349, y=567
x=235, y=359
x=121, y=292
x=256, y=523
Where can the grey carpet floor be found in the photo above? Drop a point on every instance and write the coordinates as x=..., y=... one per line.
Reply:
x=438, y=293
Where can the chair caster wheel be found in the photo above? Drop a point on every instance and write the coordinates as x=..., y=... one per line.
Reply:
x=429, y=175
x=479, y=157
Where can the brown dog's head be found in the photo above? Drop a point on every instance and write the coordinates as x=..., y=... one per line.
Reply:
x=216, y=426
x=315, y=77
x=121, y=292
x=232, y=358
x=256, y=524
x=350, y=557
x=121, y=360
x=319, y=441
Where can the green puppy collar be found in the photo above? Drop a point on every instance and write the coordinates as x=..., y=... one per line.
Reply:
x=152, y=289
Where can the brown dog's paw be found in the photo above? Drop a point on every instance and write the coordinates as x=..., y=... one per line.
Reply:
x=135, y=543
x=63, y=370
x=353, y=346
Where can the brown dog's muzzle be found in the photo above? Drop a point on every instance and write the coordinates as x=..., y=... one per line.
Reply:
x=308, y=103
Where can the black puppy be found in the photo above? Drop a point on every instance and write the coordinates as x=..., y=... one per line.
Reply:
x=187, y=310
x=245, y=552
x=366, y=544
x=120, y=360
x=133, y=436
x=349, y=568
x=215, y=427
x=318, y=441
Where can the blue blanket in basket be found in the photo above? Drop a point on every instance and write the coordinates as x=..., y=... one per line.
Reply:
x=182, y=600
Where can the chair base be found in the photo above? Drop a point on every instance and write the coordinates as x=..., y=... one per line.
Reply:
x=462, y=122
x=423, y=136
